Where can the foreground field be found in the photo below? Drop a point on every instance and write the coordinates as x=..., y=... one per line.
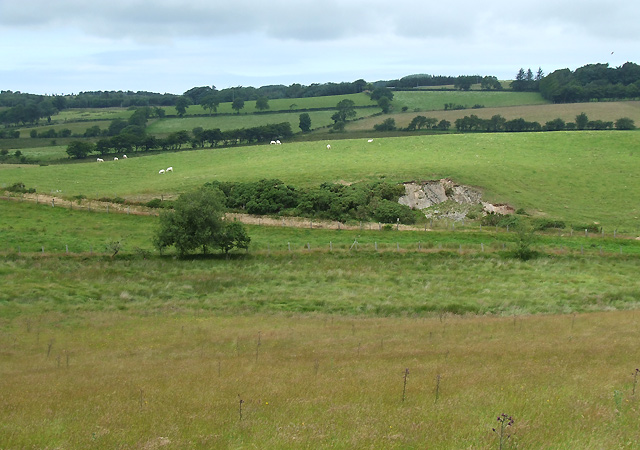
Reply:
x=197, y=380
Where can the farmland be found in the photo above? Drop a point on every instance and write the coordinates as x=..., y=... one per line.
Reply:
x=359, y=337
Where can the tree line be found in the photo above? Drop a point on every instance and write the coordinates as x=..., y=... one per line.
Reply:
x=592, y=82
x=124, y=141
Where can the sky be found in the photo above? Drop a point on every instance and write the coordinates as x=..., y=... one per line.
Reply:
x=169, y=46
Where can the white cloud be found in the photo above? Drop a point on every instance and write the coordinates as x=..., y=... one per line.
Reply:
x=144, y=44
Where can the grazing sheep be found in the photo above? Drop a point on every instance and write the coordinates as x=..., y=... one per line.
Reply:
x=124, y=156
x=115, y=158
x=100, y=160
x=272, y=143
x=161, y=172
x=328, y=146
x=370, y=140
x=278, y=142
x=169, y=169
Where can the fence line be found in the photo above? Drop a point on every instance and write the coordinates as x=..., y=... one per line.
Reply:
x=356, y=246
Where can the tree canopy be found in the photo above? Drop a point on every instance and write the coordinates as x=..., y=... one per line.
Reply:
x=197, y=221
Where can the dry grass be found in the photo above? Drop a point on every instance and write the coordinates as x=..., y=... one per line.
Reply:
x=317, y=381
x=606, y=111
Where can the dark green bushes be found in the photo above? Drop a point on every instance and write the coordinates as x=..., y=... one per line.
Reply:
x=360, y=201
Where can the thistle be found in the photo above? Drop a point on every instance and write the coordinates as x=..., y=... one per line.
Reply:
x=505, y=422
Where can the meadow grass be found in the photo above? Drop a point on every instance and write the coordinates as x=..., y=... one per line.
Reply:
x=87, y=227
x=302, y=270
x=108, y=380
x=578, y=177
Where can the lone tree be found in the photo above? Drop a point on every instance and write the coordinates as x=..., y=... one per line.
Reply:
x=197, y=221
x=237, y=105
x=77, y=149
x=182, y=103
x=346, y=110
x=305, y=122
x=262, y=103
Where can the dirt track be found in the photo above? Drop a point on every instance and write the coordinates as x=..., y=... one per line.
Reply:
x=98, y=206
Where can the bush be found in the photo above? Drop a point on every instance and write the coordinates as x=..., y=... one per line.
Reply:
x=20, y=188
x=545, y=224
x=386, y=211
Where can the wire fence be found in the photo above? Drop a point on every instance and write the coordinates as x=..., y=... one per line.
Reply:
x=498, y=239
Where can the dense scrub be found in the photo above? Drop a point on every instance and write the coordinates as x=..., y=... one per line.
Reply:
x=375, y=201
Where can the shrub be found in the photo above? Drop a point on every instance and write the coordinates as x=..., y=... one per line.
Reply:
x=545, y=224
x=19, y=187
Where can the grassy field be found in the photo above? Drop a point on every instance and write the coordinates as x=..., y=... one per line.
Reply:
x=409, y=339
x=435, y=100
x=579, y=177
x=319, y=119
x=179, y=379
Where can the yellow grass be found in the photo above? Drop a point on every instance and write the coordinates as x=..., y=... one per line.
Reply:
x=606, y=111
x=115, y=380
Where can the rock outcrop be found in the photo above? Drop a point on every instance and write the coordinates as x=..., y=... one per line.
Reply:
x=426, y=194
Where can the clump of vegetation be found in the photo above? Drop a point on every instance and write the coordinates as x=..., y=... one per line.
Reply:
x=500, y=220
x=197, y=221
x=545, y=224
x=524, y=241
x=20, y=188
x=591, y=228
x=360, y=201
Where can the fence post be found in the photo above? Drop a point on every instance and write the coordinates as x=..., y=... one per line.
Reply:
x=376, y=245
x=289, y=245
x=330, y=246
x=482, y=247
x=66, y=246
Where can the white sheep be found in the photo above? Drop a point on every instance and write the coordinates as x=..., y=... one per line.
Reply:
x=115, y=158
x=124, y=156
x=278, y=142
x=370, y=140
x=272, y=143
x=328, y=146
x=169, y=169
x=161, y=172
x=100, y=160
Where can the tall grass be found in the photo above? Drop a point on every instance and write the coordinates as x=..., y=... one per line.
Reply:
x=175, y=381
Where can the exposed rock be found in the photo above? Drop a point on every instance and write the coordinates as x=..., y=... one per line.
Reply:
x=459, y=199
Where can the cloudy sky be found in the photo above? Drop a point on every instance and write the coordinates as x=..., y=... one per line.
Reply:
x=68, y=46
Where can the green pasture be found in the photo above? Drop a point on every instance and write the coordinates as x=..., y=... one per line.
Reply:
x=578, y=177
x=435, y=100
x=234, y=121
x=282, y=105
x=77, y=128
x=45, y=153
x=304, y=270
x=92, y=114
x=87, y=227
